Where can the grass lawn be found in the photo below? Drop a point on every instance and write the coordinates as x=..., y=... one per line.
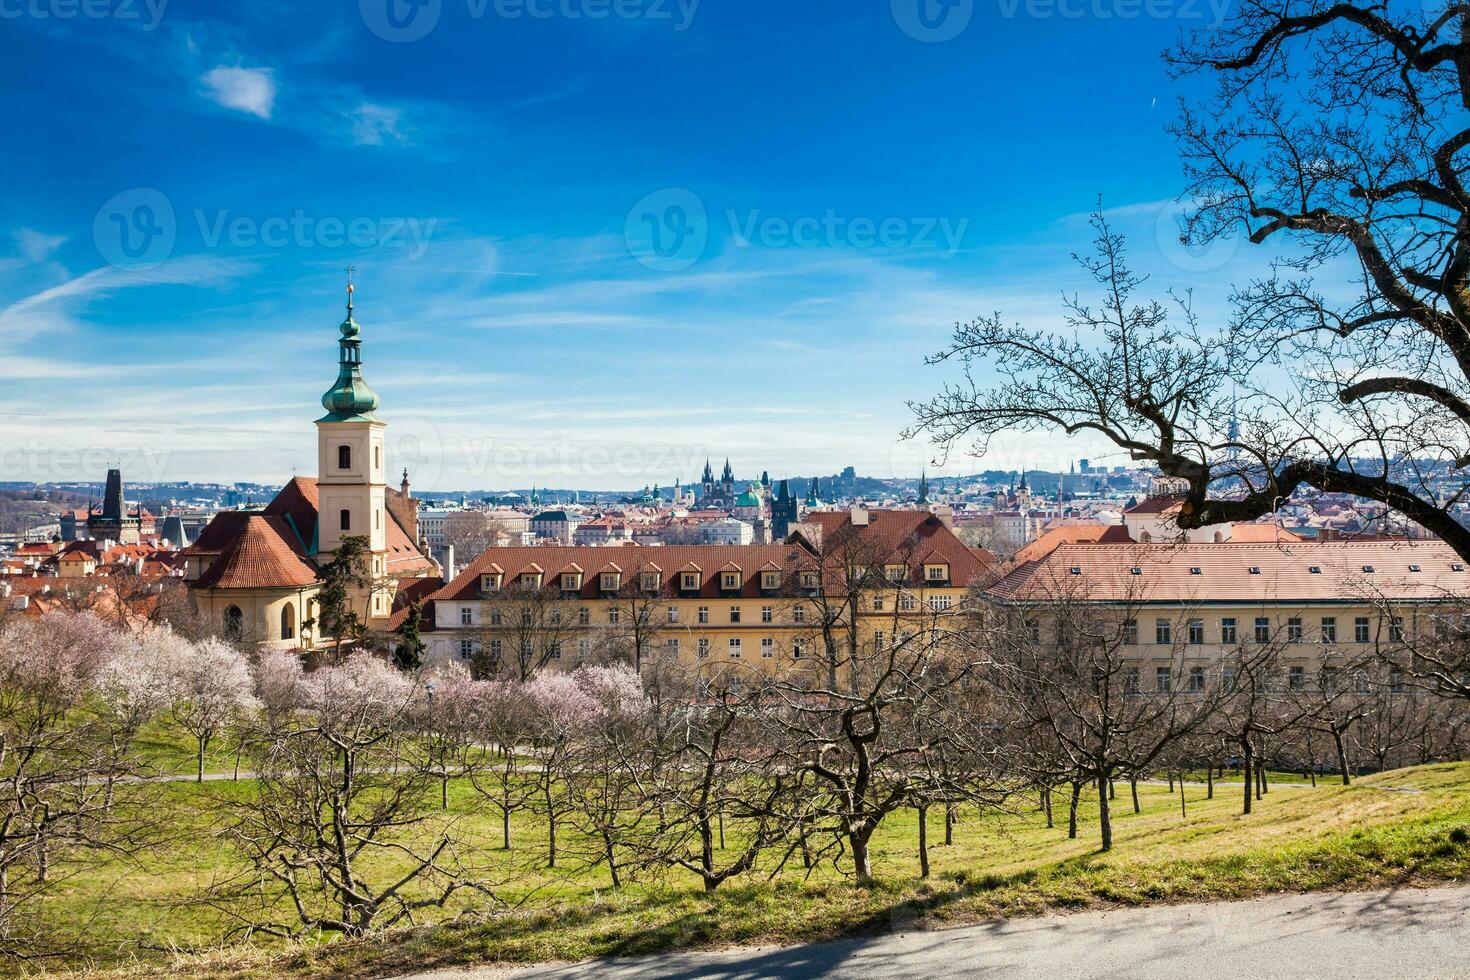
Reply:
x=1407, y=826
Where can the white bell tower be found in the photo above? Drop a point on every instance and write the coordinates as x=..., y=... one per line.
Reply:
x=351, y=484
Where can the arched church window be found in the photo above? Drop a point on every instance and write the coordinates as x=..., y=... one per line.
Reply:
x=288, y=622
x=346, y=518
x=344, y=457
x=234, y=623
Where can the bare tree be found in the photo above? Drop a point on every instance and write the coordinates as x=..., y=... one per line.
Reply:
x=525, y=628
x=336, y=789
x=1335, y=127
x=68, y=774
x=472, y=532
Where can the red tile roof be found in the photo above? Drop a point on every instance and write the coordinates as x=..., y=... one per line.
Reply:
x=1283, y=572
x=264, y=554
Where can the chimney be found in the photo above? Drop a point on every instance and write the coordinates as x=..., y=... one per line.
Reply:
x=859, y=517
x=21, y=603
x=449, y=563
x=945, y=515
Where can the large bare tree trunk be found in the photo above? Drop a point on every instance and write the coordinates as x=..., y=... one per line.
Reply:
x=1104, y=812
x=923, y=841
x=1072, y=810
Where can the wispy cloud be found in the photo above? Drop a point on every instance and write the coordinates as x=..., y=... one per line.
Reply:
x=375, y=125
x=249, y=90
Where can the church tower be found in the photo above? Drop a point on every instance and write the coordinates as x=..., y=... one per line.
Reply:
x=351, y=485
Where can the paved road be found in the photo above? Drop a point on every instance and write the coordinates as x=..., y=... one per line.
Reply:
x=1398, y=934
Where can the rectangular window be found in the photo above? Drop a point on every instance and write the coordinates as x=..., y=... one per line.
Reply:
x=496, y=648
x=878, y=639
x=1294, y=629
x=1163, y=632
x=1196, y=680
x=1196, y=631
x=1163, y=679
x=554, y=649
x=1329, y=629
x=1263, y=629
x=691, y=581
x=798, y=648
x=584, y=616
x=344, y=457
x=495, y=617
x=673, y=614
x=466, y=616
x=730, y=581
x=734, y=614
x=1227, y=630
x=939, y=603
x=936, y=573
x=877, y=603
x=1396, y=681
x=1130, y=631
x=768, y=648
x=798, y=615
x=672, y=646
x=612, y=615
x=1360, y=630
x=1130, y=680
x=1396, y=629
x=584, y=647
x=735, y=647
x=466, y=649
x=1296, y=678
x=1033, y=630
x=703, y=647
x=906, y=603
x=704, y=614
x=768, y=614
x=609, y=582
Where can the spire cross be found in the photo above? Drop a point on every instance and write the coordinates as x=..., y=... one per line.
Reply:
x=350, y=270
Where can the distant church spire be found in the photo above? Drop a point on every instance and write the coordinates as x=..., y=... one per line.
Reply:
x=350, y=398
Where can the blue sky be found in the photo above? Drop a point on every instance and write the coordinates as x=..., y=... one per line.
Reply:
x=596, y=240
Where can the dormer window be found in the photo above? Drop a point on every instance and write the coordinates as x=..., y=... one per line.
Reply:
x=1255, y=569
x=729, y=581
x=895, y=573
x=650, y=581
x=810, y=580
x=530, y=580
x=936, y=573
x=571, y=581
x=490, y=582
x=770, y=581
x=1195, y=570
x=611, y=581
x=344, y=457
x=689, y=581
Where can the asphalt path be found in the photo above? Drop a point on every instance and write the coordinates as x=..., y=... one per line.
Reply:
x=1404, y=933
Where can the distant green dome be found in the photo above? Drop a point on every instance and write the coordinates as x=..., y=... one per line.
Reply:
x=748, y=498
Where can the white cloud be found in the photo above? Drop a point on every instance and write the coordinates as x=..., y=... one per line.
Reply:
x=377, y=125
x=36, y=246
x=251, y=90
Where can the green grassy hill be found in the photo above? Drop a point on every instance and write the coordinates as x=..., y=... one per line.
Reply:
x=1410, y=826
